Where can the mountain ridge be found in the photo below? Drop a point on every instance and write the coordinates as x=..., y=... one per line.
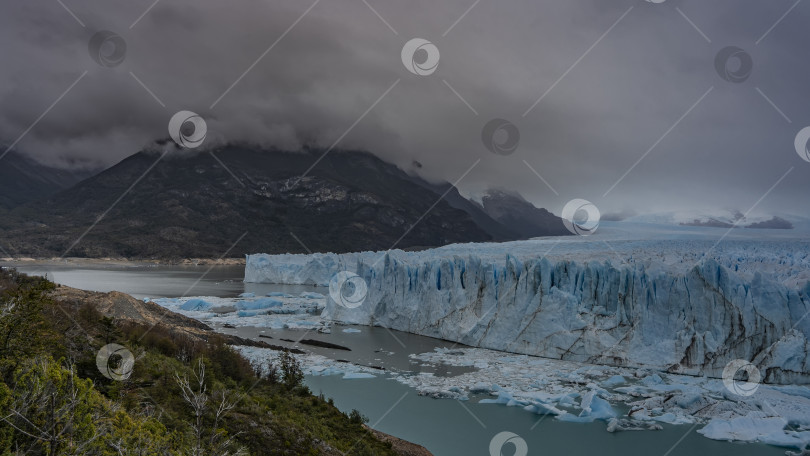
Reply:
x=199, y=205
x=23, y=180
x=510, y=209
x=167, y=203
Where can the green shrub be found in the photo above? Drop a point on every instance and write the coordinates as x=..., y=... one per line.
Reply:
x=148, y=414
x=292, y=373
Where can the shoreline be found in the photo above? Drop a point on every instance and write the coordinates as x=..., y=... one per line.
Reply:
x=78, y=261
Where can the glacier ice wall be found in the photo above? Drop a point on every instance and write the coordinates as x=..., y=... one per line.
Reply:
x=691, y=319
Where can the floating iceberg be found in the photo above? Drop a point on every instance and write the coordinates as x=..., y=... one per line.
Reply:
x=312, y=295
x=614, y=381
x=196, y=304
x=357, y=375
x=593, y=408
x=248, y=313
x=261, y=303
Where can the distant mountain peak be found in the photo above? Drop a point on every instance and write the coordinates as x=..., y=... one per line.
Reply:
x=513, y=210
x=196, y=205
x=726, y=218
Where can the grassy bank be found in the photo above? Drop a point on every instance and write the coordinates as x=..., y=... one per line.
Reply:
x=176, y=395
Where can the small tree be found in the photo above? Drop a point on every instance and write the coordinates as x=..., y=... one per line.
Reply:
x=272, y=373
x=109, y=330
x=291, y=370
x=22, y=326
x=209, y=437
x=357, y=418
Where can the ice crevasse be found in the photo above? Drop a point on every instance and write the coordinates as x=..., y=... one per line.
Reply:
x=690, y=320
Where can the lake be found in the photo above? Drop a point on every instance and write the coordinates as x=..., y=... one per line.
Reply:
x=446, y=427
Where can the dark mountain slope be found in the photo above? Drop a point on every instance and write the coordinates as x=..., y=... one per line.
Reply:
x=497, y=230
x=189, y=205
x=23, y=180
x=521, y=216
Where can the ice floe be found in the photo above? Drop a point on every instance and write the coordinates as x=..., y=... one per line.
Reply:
x=573, y=392
x=278, y=312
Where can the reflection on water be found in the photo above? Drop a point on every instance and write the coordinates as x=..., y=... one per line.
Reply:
x=156, y=281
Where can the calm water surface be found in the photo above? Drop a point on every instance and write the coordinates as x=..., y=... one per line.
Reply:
x=447, y=427
x=155, y=281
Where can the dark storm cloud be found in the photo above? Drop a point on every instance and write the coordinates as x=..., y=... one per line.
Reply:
x=598, y=120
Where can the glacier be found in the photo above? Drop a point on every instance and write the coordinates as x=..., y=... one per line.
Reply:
x=678, y=301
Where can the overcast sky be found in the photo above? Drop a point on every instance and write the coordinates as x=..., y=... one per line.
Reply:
x=607, y=101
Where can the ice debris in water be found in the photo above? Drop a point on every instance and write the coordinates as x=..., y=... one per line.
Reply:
x=196, y=304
